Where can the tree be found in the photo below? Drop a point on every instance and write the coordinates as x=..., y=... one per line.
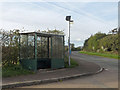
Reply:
x=92, y=43
x=101, y=42
x=10, y=44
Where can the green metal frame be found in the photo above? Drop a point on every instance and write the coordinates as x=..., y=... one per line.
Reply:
x=35, y=42
x=32, y=64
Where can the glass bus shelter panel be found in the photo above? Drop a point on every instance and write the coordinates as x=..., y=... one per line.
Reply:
x=43, y=60
x=26, y=47
x=60, y=47
x=39, y=52
x=23, y=47
x=57, y=47
x=57, y=60
x=42, y=47
x=27, y=54
x=31, y=47
x=54, y=46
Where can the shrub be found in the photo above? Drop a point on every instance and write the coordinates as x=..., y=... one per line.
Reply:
x=10, y=47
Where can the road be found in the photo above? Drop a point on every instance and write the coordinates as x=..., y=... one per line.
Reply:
x=106, y=79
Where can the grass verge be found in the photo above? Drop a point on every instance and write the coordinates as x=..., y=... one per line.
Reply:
x=14, y=70
x=101, y=54
x=73, y=63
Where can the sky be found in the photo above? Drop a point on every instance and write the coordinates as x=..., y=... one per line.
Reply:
x=89, y=17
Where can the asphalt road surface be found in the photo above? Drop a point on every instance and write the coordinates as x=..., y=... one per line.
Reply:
x=106, y=79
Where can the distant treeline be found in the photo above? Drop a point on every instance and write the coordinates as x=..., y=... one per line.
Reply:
x=101, y=42
x=73, y=48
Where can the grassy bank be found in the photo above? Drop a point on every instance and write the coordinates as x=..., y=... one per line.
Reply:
x=101, y=54
x=14, y=70
x=73, y=63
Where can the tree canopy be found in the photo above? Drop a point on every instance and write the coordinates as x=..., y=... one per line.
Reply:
x=101, y=42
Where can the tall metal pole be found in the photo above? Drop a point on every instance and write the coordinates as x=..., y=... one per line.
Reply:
x=68, y=18
x=69, y=45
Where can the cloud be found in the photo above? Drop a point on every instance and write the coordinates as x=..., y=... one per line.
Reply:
x=59, y=0
x=34, y=16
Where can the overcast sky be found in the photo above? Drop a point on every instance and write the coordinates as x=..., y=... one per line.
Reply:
x=89, y=17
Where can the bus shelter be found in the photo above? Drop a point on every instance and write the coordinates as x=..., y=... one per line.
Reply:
x=41, y=50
